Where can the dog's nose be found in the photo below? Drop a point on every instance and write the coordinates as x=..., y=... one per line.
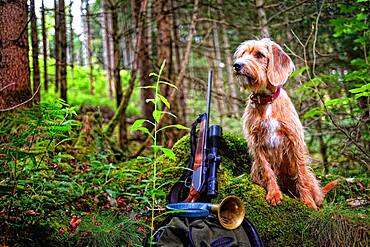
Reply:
x=238, y=66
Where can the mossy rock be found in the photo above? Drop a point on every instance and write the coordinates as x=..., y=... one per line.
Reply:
x=289, y=224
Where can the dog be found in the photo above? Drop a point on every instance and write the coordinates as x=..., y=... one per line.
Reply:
x=272, y=127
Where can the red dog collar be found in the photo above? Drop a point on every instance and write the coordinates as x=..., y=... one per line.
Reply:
x=263, y=99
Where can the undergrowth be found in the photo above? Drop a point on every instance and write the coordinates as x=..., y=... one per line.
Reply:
x=48, y=187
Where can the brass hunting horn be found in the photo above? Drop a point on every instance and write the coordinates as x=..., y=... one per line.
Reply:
x=230, y=212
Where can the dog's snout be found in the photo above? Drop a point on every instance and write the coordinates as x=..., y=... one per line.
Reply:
x=238, y=66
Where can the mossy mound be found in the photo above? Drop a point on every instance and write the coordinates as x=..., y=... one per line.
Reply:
x=289, y=224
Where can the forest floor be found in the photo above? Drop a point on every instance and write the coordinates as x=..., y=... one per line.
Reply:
x=64, y=183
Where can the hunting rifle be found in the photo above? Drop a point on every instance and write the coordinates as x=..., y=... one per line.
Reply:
x=202, y=180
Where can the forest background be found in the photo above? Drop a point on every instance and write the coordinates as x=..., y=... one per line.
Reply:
x=76, y=76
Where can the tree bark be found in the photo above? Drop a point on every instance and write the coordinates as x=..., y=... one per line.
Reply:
x=107, y=45
x=163, y=16
x=323, y=147
x=15, y=88
x=71, y=43
x=89, y=47
x=63, y=51
x=35, y=54
x=218, y=82
x=164, y=19
x=116, y=53
x=143, y=61
x=183, y=93
x=231, y=81
x=44, y=46
x=116, y=36
x=57, y=45
x=262, y=18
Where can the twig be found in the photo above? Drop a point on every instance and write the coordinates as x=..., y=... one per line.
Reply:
x=285, y=10
x=11, y=84
x=23, y=103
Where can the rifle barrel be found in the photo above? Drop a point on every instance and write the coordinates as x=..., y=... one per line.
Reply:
x=209, y=93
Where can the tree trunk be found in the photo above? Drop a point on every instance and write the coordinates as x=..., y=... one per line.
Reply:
x=323, y=147
x=116, y=72
x=218, y=82
x=262, y=18
x=183, y=93
x=44, y=46
x=57, y=45
x=63, y=51
x=107, y=45
x=231, y=81
x=15, y=89
x=35, y=54
x=164, y=41
x=116, y=53
x=71, y=43
x=143, y=61
x=163, y=13
x=89, y=47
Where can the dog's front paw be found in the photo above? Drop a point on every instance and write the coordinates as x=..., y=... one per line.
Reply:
x=274, y=197
x=309, y=203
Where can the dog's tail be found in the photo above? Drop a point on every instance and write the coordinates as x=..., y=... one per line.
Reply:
x=329, y=186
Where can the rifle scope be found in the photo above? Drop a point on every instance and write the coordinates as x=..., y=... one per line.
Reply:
x=214, y=141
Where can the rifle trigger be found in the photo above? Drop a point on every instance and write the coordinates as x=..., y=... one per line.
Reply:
x=187, y=182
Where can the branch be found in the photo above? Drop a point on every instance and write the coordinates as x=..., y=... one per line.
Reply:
x=23, y=103
x=285, y=10
x=11, y=84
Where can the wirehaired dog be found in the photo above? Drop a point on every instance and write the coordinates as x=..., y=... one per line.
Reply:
x=272, y=127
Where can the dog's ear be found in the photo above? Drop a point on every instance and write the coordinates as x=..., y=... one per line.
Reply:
x=280, y=65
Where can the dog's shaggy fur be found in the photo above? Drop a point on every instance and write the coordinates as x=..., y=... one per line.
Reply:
x=271, y=125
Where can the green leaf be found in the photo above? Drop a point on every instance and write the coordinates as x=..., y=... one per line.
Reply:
x=143, y=158
x=153, y=74
x=363, y=94
x=167, y=83
x=137, y=124
x=178, y=126
x=156, y=148
x=298, y=72
x=333, y=102
x=168, y=152
x=162, y=67
x=312, y=113
x=148, y=87
x=146, y=131
x=157, y=115
x=164, y=100
x=361, y=89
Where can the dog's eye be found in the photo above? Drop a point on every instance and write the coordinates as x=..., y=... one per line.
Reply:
x=259, y=55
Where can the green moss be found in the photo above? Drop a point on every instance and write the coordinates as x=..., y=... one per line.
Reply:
x=278, y=226
x=289, y=224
